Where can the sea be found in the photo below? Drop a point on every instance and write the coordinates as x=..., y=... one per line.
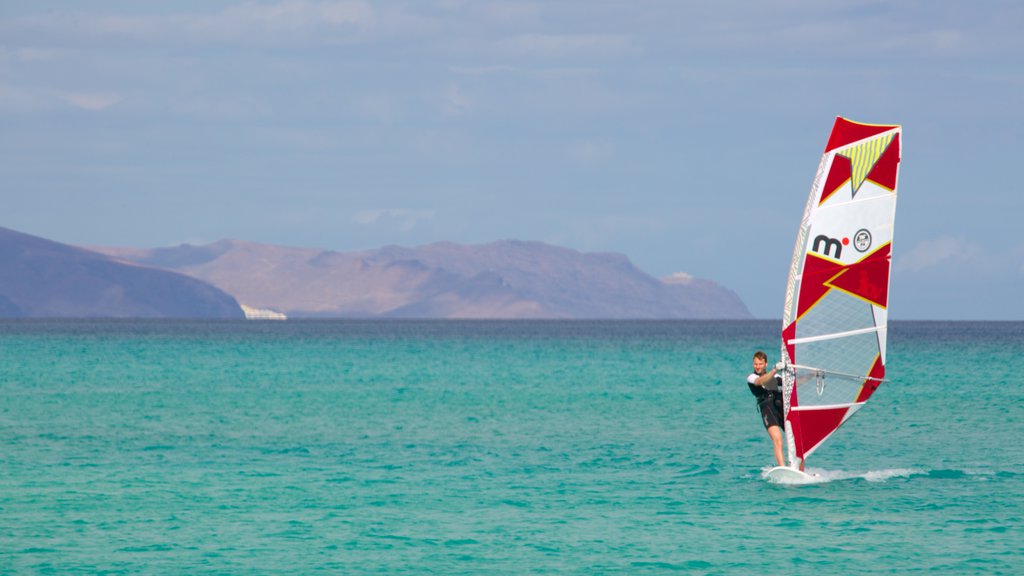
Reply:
x=492, y=447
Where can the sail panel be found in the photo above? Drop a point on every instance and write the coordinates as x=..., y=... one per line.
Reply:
x=846, y=132
x=816, y=426
x=841, y=382
x=836, y=313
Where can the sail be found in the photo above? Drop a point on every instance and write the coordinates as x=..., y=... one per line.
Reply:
x=837, y=297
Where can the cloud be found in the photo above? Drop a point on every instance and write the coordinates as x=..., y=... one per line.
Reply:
x=221, y=107
x=21, y=99
x=30, y=54
x=401, y=218
x=287, y=20
x=379, y=107
x=591, y=152
x=959, y=256
x=287, y=17
x=482, y=70
x=562, y=45
x=604, y=232
x=939, y=252
x=91, y=101
x=455, y=102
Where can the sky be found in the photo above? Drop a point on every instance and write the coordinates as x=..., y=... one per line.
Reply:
x=683, y=134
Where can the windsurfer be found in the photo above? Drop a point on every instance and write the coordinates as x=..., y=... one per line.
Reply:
x=766, y=385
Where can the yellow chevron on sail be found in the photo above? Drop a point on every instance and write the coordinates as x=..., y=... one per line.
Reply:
x=863, y=157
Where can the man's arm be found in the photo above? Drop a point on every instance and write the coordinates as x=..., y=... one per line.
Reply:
x=765, y=378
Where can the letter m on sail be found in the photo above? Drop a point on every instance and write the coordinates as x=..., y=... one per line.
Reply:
x=829, y=243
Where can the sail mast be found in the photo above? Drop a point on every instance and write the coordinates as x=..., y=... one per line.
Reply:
x=792, y=287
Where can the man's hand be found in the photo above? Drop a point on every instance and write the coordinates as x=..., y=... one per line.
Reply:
x=779, y=367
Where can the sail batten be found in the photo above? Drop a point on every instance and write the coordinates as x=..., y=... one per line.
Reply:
x=826, y=407
x=837, y=295
x=834, y=335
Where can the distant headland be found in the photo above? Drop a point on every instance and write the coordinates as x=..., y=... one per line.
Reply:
x=507, y=279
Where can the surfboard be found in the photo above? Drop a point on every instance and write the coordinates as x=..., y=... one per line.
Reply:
x=787, y=475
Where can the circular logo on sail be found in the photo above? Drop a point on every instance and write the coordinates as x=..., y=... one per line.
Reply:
x=862, y=240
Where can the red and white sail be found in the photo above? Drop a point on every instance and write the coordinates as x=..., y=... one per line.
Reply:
x=837, y=298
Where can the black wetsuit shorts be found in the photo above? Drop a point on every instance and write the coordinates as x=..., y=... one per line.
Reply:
x=770, y=406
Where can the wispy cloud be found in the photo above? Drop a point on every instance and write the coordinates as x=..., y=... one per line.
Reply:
x=960, y=256
x=379, y=107
x=591, y=152
x=483, y=70
x=602, y=232
x=21, y=99
x=92, y=101
x=455, y=101
x=292, y=20
x=281, y=18
x=223, y=107
x=938, y=252
x=560, y=45
x=403, y=219
x=30, y=54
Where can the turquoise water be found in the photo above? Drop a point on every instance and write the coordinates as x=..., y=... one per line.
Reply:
x=405, y=447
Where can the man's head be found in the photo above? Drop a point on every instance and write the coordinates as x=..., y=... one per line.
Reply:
x=760, y=362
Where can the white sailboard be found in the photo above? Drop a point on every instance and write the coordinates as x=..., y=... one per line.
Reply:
x=788, y=475
x=837, y=297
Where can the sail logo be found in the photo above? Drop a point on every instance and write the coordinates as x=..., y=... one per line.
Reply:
x=825, y=246
x=833, y=247
x=862, y=240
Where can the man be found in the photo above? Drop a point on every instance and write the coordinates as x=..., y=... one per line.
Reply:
x=767, y=387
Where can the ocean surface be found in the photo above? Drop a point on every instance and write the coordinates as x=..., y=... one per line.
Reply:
x=450, y=447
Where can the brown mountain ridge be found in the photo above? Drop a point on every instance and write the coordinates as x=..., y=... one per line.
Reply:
x=504, y=279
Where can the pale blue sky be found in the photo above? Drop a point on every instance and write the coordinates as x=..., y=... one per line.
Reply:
x=683, y=134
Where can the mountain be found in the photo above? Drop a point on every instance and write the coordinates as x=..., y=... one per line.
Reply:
x=41, y=278
x=505, y=279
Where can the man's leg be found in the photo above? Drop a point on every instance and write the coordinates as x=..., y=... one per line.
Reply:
x=776, y=434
